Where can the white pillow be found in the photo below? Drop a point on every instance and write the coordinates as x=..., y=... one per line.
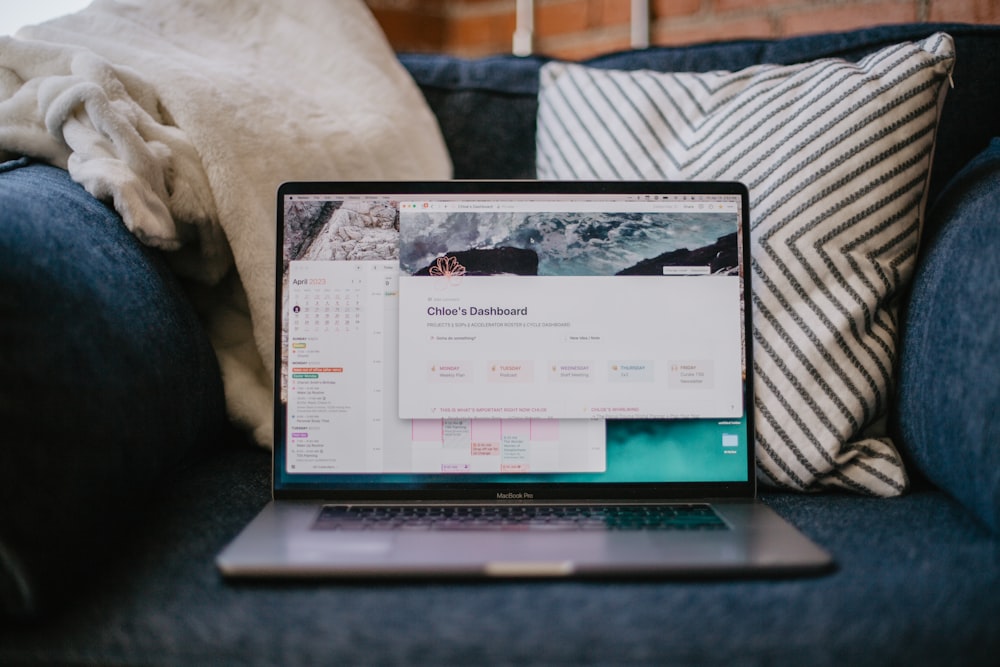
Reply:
x=837, y=157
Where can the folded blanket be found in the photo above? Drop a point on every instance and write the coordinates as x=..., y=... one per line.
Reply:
x=187, y=114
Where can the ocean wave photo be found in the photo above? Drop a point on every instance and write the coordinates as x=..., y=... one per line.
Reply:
x=565, y=243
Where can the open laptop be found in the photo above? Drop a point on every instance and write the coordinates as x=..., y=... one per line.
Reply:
x=514, y=379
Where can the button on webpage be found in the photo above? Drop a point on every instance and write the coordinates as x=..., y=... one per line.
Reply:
x=699, y=374
x=631, y=371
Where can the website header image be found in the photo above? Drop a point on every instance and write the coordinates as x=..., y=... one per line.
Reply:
x=521, y=238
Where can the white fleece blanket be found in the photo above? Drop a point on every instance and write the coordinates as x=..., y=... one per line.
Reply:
x=187, y=114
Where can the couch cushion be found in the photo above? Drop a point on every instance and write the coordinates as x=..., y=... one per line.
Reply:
x=836, y=156
x=915, y=585
x=949, y=393
x=108, y=382
x=486, y=109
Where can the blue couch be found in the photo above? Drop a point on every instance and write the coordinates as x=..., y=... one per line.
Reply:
x=120, y=478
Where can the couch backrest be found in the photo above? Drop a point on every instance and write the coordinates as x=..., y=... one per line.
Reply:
x=487, y=107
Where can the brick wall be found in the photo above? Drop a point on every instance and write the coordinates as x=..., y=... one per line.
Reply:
x=580, y=28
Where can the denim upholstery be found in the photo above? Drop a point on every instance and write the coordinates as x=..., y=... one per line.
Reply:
x=108, y=381
x=916, y=585
x=950, y=372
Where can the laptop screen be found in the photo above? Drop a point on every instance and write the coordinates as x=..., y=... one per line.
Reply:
x=512, y=340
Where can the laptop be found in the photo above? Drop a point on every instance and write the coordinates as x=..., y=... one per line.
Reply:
x=514, y=379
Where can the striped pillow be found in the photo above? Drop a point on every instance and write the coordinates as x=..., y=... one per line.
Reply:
x=837, y=157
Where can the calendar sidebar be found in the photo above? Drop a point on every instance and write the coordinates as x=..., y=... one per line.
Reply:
x=337, y=343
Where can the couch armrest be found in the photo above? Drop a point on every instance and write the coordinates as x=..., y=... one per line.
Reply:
x=108, y=382
x=949, y=394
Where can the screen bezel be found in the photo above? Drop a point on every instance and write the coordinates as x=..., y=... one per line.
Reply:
x=325, y=487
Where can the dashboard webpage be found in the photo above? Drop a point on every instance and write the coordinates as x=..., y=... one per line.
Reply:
x=512, y=339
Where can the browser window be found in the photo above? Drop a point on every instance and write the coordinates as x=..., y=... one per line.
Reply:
x=341, y=351
x=536, y=309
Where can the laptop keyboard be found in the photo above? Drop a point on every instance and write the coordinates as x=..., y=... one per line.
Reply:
x=521, y=517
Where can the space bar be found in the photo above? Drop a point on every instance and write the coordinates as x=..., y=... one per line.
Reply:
x=517, y=526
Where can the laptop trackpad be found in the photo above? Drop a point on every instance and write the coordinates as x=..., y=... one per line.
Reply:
x=432, y=550
x=317, y=547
